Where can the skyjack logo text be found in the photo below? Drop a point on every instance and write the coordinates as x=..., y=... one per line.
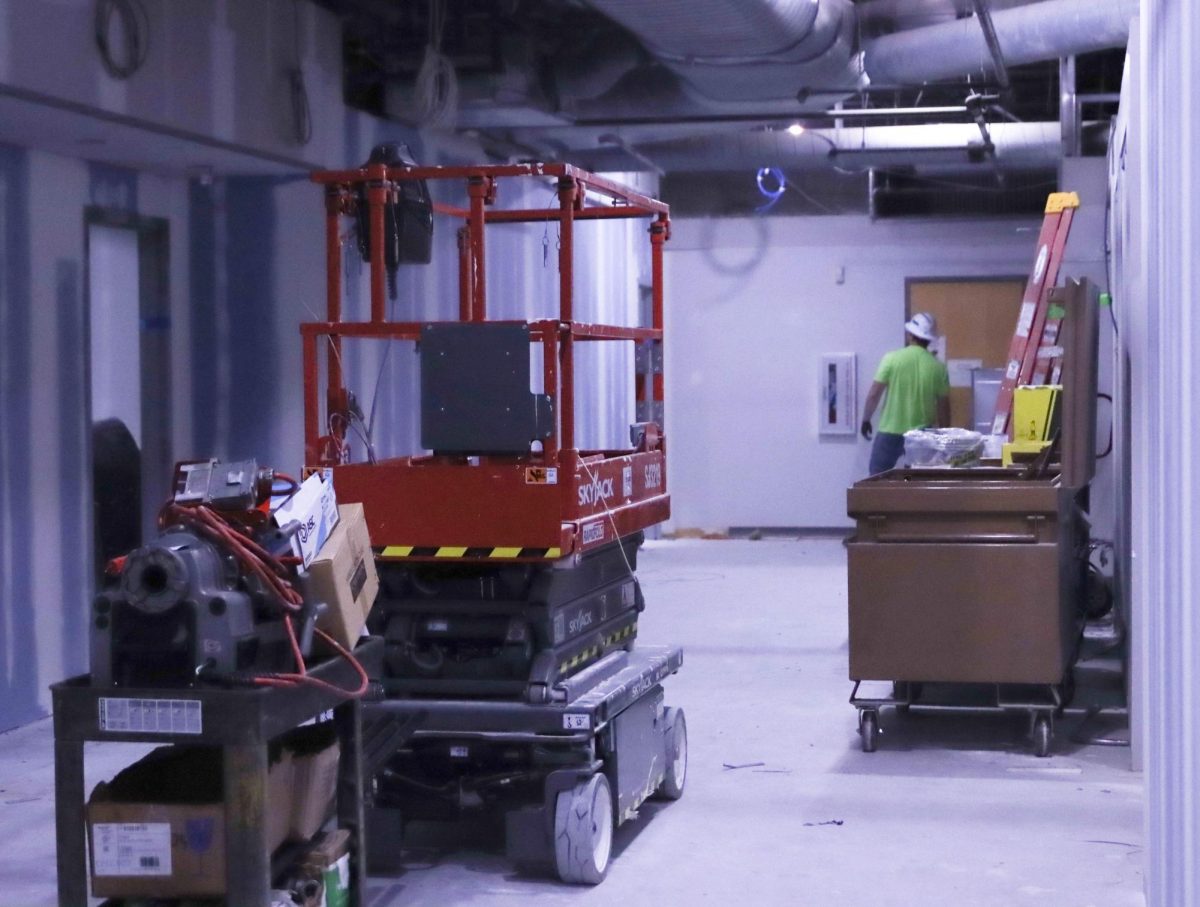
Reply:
x=595, y=492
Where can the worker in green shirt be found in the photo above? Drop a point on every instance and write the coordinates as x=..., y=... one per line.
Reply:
x=918, y=393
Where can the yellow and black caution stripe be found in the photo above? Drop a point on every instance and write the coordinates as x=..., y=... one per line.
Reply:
x=621, y=635
x=452, y=552
x=594, y=651
x=582, y=658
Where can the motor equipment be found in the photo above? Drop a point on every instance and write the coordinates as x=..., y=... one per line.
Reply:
x=218, y=596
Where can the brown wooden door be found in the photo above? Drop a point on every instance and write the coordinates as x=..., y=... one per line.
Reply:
x=977, y=319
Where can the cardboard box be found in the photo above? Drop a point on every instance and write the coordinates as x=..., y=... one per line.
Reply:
x=343, y=576
x=314, y=786
x=314, y=507
x=158, y=828
x=329, y=861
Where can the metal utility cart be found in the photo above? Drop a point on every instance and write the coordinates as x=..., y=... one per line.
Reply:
x=976, y=577
x=507, y=555
x=966, y=577
x=242, y=722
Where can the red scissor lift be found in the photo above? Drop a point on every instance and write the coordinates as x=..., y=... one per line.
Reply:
x=507, y=556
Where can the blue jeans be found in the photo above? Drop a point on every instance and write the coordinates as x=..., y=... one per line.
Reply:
x=885, y=451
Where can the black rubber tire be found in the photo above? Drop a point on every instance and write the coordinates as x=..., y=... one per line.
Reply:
x=583, y=831
x=675, y=776
x=1043, y=733
x=868, y=729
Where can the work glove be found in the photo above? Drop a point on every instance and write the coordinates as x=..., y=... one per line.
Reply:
x=866, y=429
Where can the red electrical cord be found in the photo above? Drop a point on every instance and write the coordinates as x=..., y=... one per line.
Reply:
x=272, y=573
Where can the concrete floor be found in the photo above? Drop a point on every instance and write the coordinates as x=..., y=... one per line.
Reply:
x=952, y=809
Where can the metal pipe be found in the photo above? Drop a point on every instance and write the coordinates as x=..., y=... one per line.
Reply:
x=333, y=279
x=1041, y=31
x=1068, y=108
x=984, y=15
x=376, y=196
x=464, y=274
x=889, y=14
x=567, y=190
x=1017, y=145
x=740, y=50
x=311, y=431
x=477, y=189
x=660, y=232
x=891, y=113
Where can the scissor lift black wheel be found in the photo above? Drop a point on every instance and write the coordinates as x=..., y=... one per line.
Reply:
x=676, y=756
x=583, y=831
x=868, y=729
x=1043, y=733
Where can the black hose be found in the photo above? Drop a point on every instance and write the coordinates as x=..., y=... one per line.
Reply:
x=1109, y=448
x=135, y=23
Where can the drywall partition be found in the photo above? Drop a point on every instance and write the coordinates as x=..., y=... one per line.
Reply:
x=215, y=71
x=1157, y=225
x=45, y=511
x=248, y=266
x=752, y=305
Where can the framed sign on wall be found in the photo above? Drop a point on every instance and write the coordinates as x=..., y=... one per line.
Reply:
x=838, y=394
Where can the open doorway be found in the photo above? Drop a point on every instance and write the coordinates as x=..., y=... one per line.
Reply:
x=976, y=318
x=129, y=376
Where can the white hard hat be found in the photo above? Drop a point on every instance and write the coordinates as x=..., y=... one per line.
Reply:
x=922, y=325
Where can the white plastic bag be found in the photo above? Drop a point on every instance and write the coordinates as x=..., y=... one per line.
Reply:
x=942, y=447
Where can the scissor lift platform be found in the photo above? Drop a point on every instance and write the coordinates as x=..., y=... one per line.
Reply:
x=564, y=773
x=506, y=551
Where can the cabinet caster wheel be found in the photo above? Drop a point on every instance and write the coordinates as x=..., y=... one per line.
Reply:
x=1042, y=733
x=868, y=730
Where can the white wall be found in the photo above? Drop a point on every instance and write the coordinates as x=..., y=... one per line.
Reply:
x=45, y=554
x=246, y=267
x=115, y=326
x=1156, y=227
x=214, y=68
x=752, y=304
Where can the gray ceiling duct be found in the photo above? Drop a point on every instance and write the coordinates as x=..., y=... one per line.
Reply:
x=895, y=15
x=1027, y=34
x=729, y=51
x=948, y=146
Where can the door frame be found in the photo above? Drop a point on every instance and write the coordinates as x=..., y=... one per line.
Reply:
x=154, y=314
x=996, y=278
x=909, y=282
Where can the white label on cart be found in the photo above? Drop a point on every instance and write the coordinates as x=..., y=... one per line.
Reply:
x=131, y=849
x=593, y=532
x=151, y=716
x=577, y=722
x=627, y=481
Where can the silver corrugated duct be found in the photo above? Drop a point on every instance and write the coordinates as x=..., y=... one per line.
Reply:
x=945, y=145
x=1040, y=31
x=739, y=50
